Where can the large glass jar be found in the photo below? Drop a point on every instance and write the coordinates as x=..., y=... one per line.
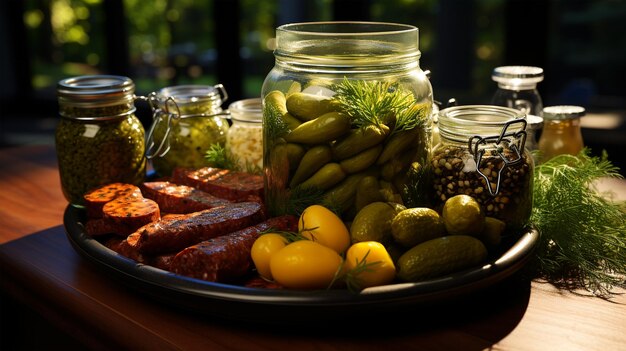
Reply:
x=344, y=101
x=482, y=154
x=99, y=140
x=245, y=135
x=188, y=120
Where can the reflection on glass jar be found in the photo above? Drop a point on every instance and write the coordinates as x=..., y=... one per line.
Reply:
x=245, y=136
x=196, y=123
x=482, y=154
x=99, y=140
x=344, y=101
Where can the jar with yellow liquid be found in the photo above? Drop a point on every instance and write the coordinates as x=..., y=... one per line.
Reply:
x=561, y=131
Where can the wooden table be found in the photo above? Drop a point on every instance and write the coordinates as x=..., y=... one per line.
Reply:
x=79, y=307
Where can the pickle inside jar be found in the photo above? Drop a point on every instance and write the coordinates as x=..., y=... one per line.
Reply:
x=343, y=143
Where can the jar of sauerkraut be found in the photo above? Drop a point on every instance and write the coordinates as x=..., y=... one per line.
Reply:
x=345, y=101
x=244, y=140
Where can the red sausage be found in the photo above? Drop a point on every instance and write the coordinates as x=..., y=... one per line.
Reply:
x=223, y=183
x=176, y=198
x=227, y=257
x=175, y=233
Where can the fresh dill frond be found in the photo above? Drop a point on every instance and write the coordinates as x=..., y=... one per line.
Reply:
x=274, y=126
x=302, y=197
x=376, y=103
x=583, y=243
x=219, y=157
x=416, y=190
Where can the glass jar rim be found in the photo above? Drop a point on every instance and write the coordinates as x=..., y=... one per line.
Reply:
x=247, y=110
x=461, y=123
x=347, y=28
x=371, y=46
x=191, y=94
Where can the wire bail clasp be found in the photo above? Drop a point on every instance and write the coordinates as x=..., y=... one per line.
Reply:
x=515, y=141
x=165, y=114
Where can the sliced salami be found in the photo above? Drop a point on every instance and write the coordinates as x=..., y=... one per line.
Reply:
x=127, y=214
x=97, y=198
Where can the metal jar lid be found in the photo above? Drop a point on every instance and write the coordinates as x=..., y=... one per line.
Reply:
x=95, y=90
x=517, y=77
x=563, y=112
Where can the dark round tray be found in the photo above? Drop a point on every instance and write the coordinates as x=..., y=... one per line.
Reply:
x=275, y=305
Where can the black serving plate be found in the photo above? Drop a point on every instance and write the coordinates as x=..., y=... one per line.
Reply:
x=237, y=302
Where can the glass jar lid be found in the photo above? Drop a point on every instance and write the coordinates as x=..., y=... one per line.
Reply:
x=96, y=90
x=193, y=95
x=247, y=110
x=462, y=123
x=563, y=112
x=517, y=77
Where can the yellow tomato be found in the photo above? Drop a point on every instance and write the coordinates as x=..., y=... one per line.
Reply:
x=305, y=264
x=263, y=249
x=381, y=269
x=322, y=225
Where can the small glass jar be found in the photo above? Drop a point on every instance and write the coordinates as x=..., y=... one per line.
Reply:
x=517, y=88
x=99, y=140
x=188, y=119
x=561, y=132
x=244, y=140
x=482, y=154
x=344, y=100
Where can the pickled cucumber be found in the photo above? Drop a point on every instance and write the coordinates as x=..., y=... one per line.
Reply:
x=306, y=107
x=416, y=225
x=325, y=128
x=438, y=257
x=373, y=222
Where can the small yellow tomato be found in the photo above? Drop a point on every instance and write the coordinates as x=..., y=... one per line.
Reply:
x=263, y=249
x=322, y=225
x=380, y=270
x=305, y=264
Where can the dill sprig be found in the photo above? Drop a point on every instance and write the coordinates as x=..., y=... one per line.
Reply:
x=377, y=103
x=217, y=156
x=274, y=126
x=583, y=242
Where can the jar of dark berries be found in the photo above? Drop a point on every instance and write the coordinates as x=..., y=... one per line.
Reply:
x=482, y=154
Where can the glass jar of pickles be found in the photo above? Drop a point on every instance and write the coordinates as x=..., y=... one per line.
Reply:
x=345, y=101
x=244, y=140
x=482, y=154
x=99, y=140
x=188, y=119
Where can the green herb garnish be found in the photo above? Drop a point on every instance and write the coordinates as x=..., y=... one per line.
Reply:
x=378, y=103
x=273, y=124
x=583, y=242
x=219, y=157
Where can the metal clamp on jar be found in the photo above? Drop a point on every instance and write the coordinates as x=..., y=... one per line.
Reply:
x=187, y=120
x=482, y=154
